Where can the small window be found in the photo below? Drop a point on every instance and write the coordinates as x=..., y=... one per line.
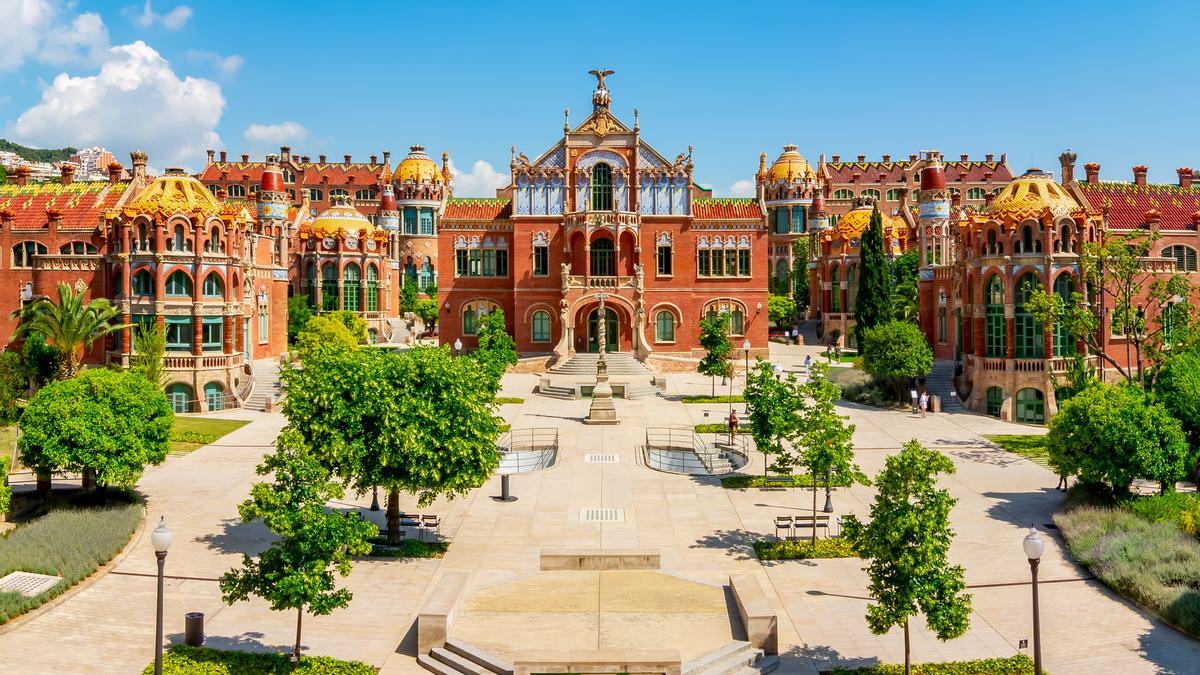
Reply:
x=179, y=333
x=289, y=176
x=143, y=284
x=893, y=195
x=1031, y=406
x=180, y=397
x=410, y=220
x=871, y=192
x=23, y=253
x=664, y=326
x=213, y=286
x=1185, y=257
x=541, y=326
x=214, y=396
x=843, y=194
x=179, y=240
x=664, y=261
x=316, y=195
x=237, y=191
x=977, y=194
x=179, y=285
x=214, y=331
x=541, y=261
x=77, y=248
x=338, y=192
x=995, y=399
x=364, y=194
x=737, y=322
x=426, y=222
x=469, y=321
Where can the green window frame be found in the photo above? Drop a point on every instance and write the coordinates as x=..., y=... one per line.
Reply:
x=179, y=333
x=541, y=261
x=664, y=326
x=995, y=401
x=372, y=289
x=214, y=396
x=1027, y=330
x=213, y=286
x=703, y=263
x=541, y=326
x=469, y=321
x=835, y=292
x=1185, y=257
x=1031, y=406
x=1064, y=344
x=329, y=287
x=426, y=221
x=781, y=220
x=180, y=397
x=743, y=257
x=351, y=285
x=179, y=285
x=143, y=284
x=603, y=258
x=212, y=333
x=993, y=322
x=665, y=267
x=737, y=322
x=799, y=220
x=410, y=220
x=602, y=187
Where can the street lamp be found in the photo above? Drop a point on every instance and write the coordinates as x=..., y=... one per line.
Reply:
x=160, y=538
x=1033, y=546
x=457, y=346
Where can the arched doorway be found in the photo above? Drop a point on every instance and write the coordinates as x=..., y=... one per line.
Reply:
x=611, y=328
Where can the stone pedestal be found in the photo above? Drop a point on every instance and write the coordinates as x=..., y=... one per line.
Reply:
x=602, y=411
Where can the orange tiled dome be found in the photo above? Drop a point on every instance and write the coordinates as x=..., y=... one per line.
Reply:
x=1030, y=195
x=789, y=166
x=417, y=167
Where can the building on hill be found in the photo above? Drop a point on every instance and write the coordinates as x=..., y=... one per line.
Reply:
x=602, y=214
x=92, y=163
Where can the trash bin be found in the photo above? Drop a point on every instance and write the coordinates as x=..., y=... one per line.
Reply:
x=193, y=629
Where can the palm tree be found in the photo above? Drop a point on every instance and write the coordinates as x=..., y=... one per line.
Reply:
x=70, y=325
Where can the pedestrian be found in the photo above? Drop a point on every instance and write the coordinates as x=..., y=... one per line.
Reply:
x=807, y=364
x=923, y=403
x=795, y=335
x=733, y=425
x=1062, y=482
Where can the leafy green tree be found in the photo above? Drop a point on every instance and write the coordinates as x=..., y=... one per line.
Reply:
x=873, y=305
x=714, y=337
x=108, y=424
x=70, y=325
x=323, y=333
x=355, y=324
x=431, y=292
x=906, y=304
x=149, y=346
x=299, y=312
x=13, y=385
x=824, y=439
x=781, y=309
x=801, y=255
x=39, y=360
x=1178, y=388
x=496, y=351
x=417, y=421
x=907, y=543
x=1115, y=433
x=427, y=311
x=5, y=490
x=408, y=296
x=896, y=350
x=775, y=410
x=315, y=545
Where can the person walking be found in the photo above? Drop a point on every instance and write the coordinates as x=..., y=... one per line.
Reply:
x=1062, y=482
x=807, y=364
x=733, y=425
x=923, y=403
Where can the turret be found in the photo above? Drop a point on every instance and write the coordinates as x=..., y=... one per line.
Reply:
x=933, y=213
x=389, y=215
x=818, y=219
x=273, y=207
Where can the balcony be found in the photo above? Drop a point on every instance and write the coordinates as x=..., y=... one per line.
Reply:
x=596, y=282
x=611, y=220
x=179, y=361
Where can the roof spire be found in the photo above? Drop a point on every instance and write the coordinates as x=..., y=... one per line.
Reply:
x=601, y=97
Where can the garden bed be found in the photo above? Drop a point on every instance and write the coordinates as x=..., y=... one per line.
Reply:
x=803, y=549
x=184, y=660
x=799, y=480
x=409, y=548
x=736, y=398
x=1031, y=447
x=509, y=400
x=1013, y=665
x=189, y=433
x=68, y=542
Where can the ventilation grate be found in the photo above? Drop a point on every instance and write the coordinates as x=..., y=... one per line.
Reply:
x=601, y=458
x=28, y=584
x=602, y=515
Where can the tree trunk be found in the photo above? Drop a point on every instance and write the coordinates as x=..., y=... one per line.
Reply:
x=69, y=366
x=393, y=516
x=907, y=660
x=43, y=483
x=814, y=512
x=299, y=620
x=714, y=385
x=89, y=479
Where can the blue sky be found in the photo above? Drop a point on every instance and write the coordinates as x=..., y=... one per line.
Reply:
x=1116, y=81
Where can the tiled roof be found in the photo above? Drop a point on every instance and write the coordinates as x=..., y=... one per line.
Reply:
x=81, y=203
x=1128, y=203
x=726, y=207
x=312, y=173
x=478, y=208
x=894, y=172
x=975, y=171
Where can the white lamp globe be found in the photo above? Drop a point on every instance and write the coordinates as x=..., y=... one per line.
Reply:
x=746, y=344
x=1034, y=545
x=160, y=538
x=457, y=345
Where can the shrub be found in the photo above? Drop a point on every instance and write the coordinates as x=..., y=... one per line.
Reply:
x=896, y=350
x=355, y=324
x=736, y=398
x=798, y=480
x=409, y=548
x=505, y=400
x=70, y=543
x=185, y=660
x=712, y=428
x=794, y=549
x=1178, y=388
x=1013, y=665
x=1180, y=508
x=1151, y=563
x=299, y=311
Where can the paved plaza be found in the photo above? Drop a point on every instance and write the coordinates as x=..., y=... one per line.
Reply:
x=704, y=534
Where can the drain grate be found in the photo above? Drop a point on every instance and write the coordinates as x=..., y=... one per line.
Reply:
x=602, y=515
x=28, y=584
x=601, y=458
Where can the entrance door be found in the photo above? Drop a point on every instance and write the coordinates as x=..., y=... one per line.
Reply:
x=610, y=329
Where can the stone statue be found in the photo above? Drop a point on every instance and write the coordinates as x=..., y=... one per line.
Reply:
x=565, y=268
x=600, y=75
x=639, y=273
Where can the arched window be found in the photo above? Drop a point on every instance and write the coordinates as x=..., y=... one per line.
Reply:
x=178, y=240
x=364, y=194
x=1064, y=240
x=1027, y=330
x=1185, y=257
x=941, y=325
x=179, y=285
x=977, y=194
x=180, y=397
x=990, y=249
x=143, y=284
x=603, y=258
x=351, y=276
x=1064, y=344
x=737, y=322
x=469, y=321
x=213, y=245
x=213, y=286
x=995, y=400
x=602, y=187
x=843, y=194
x=851, y=287
x=145, y=239
x=1031, y=406
x=782, y=277
x=835, y=292
x=77, y=248
x=372, y=288
x=425, y=274
x=289, y=176
x=329, y=287
x=871, y=193
x=316, y=195
x=541, y=326
x=1026, y=239
x=664, y=326
x=338, y=192
x=214, y=396
x=892, y=195
x=238, y=191
x=23, y=253
x=993, y=327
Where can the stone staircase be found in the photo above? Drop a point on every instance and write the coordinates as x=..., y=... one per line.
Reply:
x=735, y=658
x=399, y=331
x=266, y=385
x=940, y=383
x=619, y=363
x=458, y=657
x=623, y=371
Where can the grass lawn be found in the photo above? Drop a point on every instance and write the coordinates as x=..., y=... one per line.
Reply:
x=1032, y=448
x=190, y=433
x=736, y=398
x=8, y=445
x=409, y=548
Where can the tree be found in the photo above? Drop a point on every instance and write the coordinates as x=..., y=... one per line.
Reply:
x=496, y=351
x=322, y=333
x=873, y=305
x=907, y=543
x=149, y=346
x=801, y=254
x=70, y=325
x=13, y=385
x=427, y=311
x=714, y=337
x=896, y=350
x=298, y=570
x=1114, y=434
x=1178, y=388
x=39, y=360
x=355, y=324
x=780, y=309
x=108, y=424
x=824, y=440
x=299, y=312
x=775, y=410
x=408, y=296
x=417, y=421
x=906, y=304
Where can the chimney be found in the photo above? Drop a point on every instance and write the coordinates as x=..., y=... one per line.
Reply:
x=1154, y=219
x=114, y=172
x=346, y=160
x=1185, y=177
x=989, y=158
x=1093, y=172
x=320, y=159
x=1004, y=158
x=222, y=194
x=964, y=157
x=211, y=155
x=887, y=159
x=988, y=196
x=1196, y=219
x=374, y=159
x=139, y=164
x=245, y=157
x=1067, y=161
x=912, y=156
x=862, y=158
x=285, y=153
x=836, y=159
x=955, y=199
x=1139, y=174
x=22, y=176
x=67, y=170
x=224, y=156
x=903, y=196
x=304, y=159
x=387, y=156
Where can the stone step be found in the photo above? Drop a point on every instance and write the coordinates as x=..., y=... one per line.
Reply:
x=736, y=650
x=458, y=663
x=434, y=666
x=564, y=393
x=492, y=662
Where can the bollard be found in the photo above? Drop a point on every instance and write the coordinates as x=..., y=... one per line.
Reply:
x=505, y=495
x=193, y=629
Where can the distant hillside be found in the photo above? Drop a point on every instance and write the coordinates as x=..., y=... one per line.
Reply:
x=37, y=154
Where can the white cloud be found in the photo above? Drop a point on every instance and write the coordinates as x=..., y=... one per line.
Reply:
x=742, y=188
x=228, y=66
x=283, y=132
x=36, y=29
x=172, y=20
x=135, y=101
x=482, y=181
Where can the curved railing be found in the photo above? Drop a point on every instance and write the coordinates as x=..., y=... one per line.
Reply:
x=681, y=450
x=527, y=450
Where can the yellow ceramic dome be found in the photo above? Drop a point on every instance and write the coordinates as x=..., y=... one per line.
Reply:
x=790, y=166
x=339, y=219
x=855, y=223
x=418, y=168
x=1030, y=195
x=175, y=192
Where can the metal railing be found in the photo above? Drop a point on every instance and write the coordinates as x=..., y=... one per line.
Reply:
x=527, y=450
x=668, y=449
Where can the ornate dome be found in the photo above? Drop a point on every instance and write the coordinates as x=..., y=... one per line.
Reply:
x=855, y=223
x=790, y=166
x=339, y=219
x=1030, y=195
x=417, y=167
x=175, y=192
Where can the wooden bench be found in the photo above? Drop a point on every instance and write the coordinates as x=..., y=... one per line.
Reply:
x=811, y=522
x=780, y=480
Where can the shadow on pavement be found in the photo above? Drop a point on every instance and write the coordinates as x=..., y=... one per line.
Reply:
x=246, y=642
x=238, y=537
x=738, y=543
x=825, y=658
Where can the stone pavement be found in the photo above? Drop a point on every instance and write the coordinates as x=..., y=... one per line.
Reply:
x=703, y=532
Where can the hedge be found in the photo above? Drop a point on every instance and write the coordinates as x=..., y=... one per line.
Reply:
x=185, y=660
x=802, y=549
x=67, y=542
x=799, y=480
x=736, y=398
x=505, y=400
x=711, y=428
x=409, y=548
x=1013, y=665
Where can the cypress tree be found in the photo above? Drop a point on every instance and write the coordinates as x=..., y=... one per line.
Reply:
x=873, y=305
